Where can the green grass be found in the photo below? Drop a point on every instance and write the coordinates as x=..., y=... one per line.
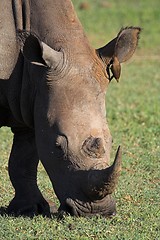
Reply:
x=133, y=112
x=103, y=23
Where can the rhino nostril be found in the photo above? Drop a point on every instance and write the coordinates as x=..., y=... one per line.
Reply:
x=93, y=147
x=96, y=143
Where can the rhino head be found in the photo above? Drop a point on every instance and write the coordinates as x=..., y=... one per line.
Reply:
x=72, y=135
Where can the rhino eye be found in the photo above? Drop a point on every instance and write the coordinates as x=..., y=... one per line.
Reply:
x=62, y=144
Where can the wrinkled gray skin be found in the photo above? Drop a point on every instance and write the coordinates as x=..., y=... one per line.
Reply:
x=52, y=95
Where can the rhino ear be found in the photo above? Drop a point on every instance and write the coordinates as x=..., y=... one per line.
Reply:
x=38, y=52
x=119, y=50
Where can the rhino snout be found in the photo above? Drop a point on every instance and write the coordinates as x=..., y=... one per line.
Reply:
x=106, y=208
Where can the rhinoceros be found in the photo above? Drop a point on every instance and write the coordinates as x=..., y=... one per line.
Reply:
x=52, y=96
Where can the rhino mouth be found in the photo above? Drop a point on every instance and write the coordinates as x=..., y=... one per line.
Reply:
x=105, y=207
x=96, y=199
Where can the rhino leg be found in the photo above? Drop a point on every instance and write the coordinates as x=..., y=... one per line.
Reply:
x=23, y=162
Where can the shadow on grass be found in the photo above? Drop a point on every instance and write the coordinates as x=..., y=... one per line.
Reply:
x=4, y=213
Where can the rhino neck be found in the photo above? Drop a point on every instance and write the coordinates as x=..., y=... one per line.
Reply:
x=55, y=22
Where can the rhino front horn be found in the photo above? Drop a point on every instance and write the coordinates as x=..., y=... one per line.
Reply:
x=103, y=182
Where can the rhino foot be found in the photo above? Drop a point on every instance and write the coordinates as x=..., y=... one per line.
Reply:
x=28, y=208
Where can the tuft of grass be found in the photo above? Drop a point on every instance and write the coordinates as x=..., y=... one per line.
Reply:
x=133, y=114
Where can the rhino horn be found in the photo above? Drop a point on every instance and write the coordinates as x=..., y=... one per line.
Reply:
x=103, y=182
